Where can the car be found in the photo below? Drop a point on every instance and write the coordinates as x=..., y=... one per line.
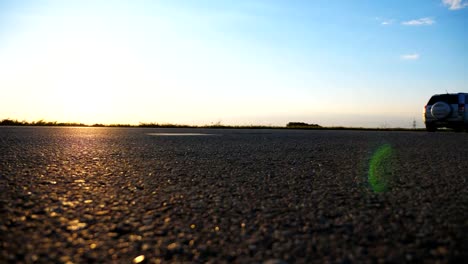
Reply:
x=447, y=110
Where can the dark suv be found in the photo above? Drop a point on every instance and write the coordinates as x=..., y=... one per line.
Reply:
x=447, y=110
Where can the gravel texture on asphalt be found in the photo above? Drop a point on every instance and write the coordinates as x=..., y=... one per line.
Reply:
x=78, y=195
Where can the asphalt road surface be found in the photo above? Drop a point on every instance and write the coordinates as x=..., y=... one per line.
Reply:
x=123, y=195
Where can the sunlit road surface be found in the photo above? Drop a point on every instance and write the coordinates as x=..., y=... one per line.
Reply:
x=77, y=195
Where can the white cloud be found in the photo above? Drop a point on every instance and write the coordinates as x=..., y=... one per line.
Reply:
x=387, y=22
x=425, y=21
x=455, y=4
x=414, y=56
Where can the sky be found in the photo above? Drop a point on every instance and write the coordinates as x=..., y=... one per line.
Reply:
x=360, y=63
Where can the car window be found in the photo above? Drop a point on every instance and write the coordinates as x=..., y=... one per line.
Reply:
x=434, y=99
x=447, y=98
x=453, y=99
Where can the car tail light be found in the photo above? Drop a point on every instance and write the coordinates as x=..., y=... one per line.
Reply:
x=461, y=102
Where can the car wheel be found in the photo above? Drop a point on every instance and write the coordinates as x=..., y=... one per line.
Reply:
x=431, y=128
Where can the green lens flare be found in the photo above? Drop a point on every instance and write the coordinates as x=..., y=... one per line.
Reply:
x=380, y=168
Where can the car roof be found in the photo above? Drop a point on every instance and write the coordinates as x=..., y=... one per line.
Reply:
x=449, y=94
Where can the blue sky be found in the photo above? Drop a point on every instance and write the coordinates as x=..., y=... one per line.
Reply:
x=353, y=63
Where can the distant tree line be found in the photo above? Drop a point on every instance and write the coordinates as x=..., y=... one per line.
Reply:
x=167, y=125
x=301, y=125
x=290, y=125
x=11, y=122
